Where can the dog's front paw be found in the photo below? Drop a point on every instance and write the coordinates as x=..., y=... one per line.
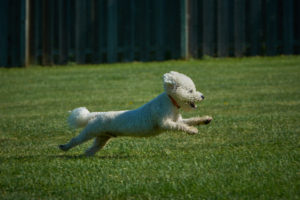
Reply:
x=207, y=119
x=192, y=130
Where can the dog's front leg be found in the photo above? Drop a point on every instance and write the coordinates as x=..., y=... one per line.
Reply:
x=178, y=126
x=197, y=120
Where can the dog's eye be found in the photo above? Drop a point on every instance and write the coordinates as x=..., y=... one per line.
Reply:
x=191, y=91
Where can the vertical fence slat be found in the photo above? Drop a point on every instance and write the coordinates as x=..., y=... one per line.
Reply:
x=62, y=33
x=296, y=27
x=124, y=39
x=223, y=28
x=80, y=31
x=209, y=30
x=147, y=30
x=288, y=30
x=193, y=28
x=89, y=33
x=3, y=33
x=52, y=32
x=131, y=53
x=271, y=27
x=71, y=29
x=254, y=27
x=37, y=31
x=145, y=35
x=112, y=31
x=239, y=28
x=32, y=32
x=78, y=27
x=200, y=28
x=46, y=23
x=14, y=33
x=159, y=29
x=174, y=30
x=44, y=32
x=99, y=30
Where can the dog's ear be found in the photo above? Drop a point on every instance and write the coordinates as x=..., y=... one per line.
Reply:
x=169, y=81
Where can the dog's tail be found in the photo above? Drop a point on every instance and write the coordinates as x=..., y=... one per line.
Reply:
x=79, y=117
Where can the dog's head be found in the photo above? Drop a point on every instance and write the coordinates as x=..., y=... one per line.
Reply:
x=182, y=90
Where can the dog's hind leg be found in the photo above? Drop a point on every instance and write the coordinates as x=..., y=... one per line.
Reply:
x=98, y=144
x=84, y=136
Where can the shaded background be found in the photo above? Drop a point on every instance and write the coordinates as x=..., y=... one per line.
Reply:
x=48, y=32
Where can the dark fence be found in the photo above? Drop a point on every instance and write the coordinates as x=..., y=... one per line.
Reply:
x=51, y=32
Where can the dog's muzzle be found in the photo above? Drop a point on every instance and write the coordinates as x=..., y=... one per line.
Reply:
x=193, y=104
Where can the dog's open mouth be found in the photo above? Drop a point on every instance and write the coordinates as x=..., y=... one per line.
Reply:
x=192, y=104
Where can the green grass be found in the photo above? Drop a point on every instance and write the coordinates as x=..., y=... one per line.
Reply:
x=250, y=151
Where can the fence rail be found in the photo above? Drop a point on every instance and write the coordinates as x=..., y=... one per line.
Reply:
x=49, y=32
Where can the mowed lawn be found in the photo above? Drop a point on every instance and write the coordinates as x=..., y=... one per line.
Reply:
x=251, y=150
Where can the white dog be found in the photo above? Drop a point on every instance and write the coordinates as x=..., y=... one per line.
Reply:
x=158, y=115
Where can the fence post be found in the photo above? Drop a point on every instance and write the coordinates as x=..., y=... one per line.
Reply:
x=24, y=40
x=184, y=29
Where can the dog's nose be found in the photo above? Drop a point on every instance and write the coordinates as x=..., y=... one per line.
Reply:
x=202, y=96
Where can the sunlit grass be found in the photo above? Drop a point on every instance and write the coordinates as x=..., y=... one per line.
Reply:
x=250, y=151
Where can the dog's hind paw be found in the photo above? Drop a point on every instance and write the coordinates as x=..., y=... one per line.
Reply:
x=63, y=147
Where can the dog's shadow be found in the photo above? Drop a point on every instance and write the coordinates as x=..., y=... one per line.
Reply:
x=30, y=158
x=76, y=157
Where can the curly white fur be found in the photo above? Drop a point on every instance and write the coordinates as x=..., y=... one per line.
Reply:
x=156, y=116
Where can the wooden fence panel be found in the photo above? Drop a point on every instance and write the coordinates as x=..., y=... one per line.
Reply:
x=97, y=31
